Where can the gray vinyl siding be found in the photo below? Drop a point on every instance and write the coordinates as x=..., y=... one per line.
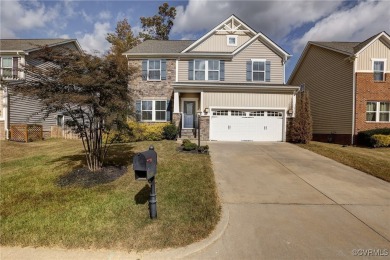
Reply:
x=218, y=43
x=264, y=100
x=24, y=110
x=328, y=76
x=377, y=50
x=235, y=70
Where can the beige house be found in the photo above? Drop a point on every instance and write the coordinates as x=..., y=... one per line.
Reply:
x=349, y=86
x=229, y=83
x=14, y=109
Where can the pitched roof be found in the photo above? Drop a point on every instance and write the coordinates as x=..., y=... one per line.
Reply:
x=158, y=46
x=346, y=47
x=29, y=44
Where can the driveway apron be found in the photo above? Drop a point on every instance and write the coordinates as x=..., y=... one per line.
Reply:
x=285, y=202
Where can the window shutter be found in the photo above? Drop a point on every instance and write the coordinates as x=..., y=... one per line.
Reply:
x=222, y=70
x=249, y=70
x=144, y=70
x=138, y=110
x=15, y=67
x=267, y=71
x=163, y=69
x=191, y=70
x=169, y=110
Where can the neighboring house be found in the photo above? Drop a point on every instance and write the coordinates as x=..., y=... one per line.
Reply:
x=348, y=84
x=15, y=109
x=232, y=79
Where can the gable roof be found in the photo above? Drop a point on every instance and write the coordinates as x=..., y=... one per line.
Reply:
x=28, y=45
x=351, y=49
x=159, y=46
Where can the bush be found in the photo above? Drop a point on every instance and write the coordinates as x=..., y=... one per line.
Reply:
x=203, y=149
x=189, y=146
x=185, y=141
x=170, y=132
x=380, y=140
x=364, y=137
x=146, y=132
x=301, y=129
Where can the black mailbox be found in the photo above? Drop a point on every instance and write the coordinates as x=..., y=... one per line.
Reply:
x=145, y=165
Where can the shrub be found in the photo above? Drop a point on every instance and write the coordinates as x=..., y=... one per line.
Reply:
x=301, y=129
x=380, y=140
x=364, y=137
x=170, y=131
x=146, y=132
x=185, y=141
x=189, y=146
x=203, y=149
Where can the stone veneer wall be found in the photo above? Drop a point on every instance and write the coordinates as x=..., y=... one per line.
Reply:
x=205, y=128
x=2, y=131
x=142, y=89
x=369, y=90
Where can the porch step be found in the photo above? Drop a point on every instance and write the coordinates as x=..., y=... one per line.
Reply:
x=187, y=134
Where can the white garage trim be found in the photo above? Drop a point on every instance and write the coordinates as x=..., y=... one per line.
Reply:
x=279, y=109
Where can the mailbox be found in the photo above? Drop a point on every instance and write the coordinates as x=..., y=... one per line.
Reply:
x=145, y=165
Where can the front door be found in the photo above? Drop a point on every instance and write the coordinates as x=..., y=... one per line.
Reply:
x=189, y=114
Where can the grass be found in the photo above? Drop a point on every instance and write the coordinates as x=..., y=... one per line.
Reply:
x=372, y=161
x=37, y=211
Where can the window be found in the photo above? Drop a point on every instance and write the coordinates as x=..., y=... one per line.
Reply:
x=379, y=70
x=256, y=113
x=274, y=114
x=258, y=70
x=238, y=113
x=200, y=69
x=154, y=70
x=60, y=120
x=232, y=40
x=6, y=65
x=153, y=110
x=220, y=113
x=378, y=111
x=213, y=70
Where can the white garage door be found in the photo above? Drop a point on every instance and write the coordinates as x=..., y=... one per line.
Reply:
x=242, y=125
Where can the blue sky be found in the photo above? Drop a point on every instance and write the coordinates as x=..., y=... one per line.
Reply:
x=291, y=24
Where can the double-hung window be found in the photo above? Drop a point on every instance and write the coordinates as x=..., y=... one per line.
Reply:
x=258, y=70
x=378, y=111
x=379, y=70
x=154, y=110
x=154, y=70
x=200, y=69
x=6, y=66
x=213, y=70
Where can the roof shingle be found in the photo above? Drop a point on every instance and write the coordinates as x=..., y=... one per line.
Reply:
x=158, y=46
x=29, y=44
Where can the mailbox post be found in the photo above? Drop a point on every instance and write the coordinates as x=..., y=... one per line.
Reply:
x=145, y=169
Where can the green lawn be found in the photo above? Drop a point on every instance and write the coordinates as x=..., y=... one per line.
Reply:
x=372, y=161
x=37, y=209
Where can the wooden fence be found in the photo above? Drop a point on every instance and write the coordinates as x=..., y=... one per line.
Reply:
x=26, y=132
x=60, y=132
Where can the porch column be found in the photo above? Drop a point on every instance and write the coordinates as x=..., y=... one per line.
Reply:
x=176, y=102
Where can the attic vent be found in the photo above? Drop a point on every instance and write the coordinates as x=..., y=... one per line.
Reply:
x=231, y=40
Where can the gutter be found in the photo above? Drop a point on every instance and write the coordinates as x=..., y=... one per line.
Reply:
x=176, y=55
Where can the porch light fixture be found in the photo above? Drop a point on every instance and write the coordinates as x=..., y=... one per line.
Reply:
x=206, y=110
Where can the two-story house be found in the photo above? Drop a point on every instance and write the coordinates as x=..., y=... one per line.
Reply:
x=230, y=82
x=15, y=109
x=349, y=86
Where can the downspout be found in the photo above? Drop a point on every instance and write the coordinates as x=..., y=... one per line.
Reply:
x=353, y=97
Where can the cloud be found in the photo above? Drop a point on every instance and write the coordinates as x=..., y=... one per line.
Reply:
x=274, y=18
x=87, y=18
x=104, y=15
x=17, y=16
x=96, y=41
x=354, y=24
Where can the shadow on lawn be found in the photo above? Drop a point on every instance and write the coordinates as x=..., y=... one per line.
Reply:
x=119, y=158
x=143, y=195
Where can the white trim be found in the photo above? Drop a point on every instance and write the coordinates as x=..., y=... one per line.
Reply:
x=206, y=73
x=235, y=40
x=282, y=109
x=182, y=109
x=377, y=112
x=154, y=110
x=201, y=103
x=259, y=60
x=177, y=71
x=376, y=38
x=214, y=29
x=354, y=66
x=147, y=70
x=176, y=102
x=373, y=60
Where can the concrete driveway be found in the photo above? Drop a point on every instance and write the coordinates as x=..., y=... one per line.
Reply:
x=285, y=202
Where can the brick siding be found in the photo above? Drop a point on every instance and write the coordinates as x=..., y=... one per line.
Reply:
x=369, y=90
